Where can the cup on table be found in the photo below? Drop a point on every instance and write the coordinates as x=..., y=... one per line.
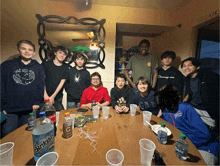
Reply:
x=95, y=110
x=114, y=157
x=147, y=148
x=57, y=117
x=133, y=108
x=105, y=112
x=146, y=117
x=73, y=120
x=6, y=153
x=49, y=158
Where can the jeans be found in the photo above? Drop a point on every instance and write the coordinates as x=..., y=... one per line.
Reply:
x=14, y=121
x=71, y=104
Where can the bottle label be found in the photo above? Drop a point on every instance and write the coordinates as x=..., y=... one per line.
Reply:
x=161, y=135
x=52, y=117
x=31, y=124
x=43, y=143
x=180, y=151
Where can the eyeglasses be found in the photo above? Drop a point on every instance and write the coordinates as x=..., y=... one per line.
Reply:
x=95, y=78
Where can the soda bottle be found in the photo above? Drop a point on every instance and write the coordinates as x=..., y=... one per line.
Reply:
x=43, y=137
x=93, y=103
x=50, y=113
x=31, y=121
x=181, y=147
x=162, y=134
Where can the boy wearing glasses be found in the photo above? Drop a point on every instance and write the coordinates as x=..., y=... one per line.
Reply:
x=95, y=92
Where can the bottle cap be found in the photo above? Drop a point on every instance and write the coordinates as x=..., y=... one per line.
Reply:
x=47, y=100
x=67, y=114
x=163, y=124
x=93, y=101
x=182, y=135
x=32, y=114
x=42, y=114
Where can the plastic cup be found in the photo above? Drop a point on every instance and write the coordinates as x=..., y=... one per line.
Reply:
x=73, y=120
x=6, y=153
x=146, y=117
x=105, y=112
x=147, y=148
x=133, y=108
x=57, y=117
x=95, y=110
x=114, y=157
x=48, y=159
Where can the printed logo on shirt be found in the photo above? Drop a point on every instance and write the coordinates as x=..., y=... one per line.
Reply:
x=77, y=78
x=178, y=114
x=149, y=64
x=159, y=76
x=146, y=105
x=24, y=76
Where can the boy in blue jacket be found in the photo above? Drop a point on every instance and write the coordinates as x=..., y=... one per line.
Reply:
x=22, y=87
x=184, y=117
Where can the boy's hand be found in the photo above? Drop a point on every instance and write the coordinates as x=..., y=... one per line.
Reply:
x=51, y=100
x=125, y=109
x=89, y=105
x=35, y=107
x=4, y=112
x=98, y=104
x=118, y=109
x=160, y=114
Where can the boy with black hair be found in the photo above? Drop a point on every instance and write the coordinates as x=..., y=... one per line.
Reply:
x=22, y=87
x=168, y=74
x=95, y=92
x=79, y=81
x=142, y=64
x=56, y=74
x=121, y=95
x=202, y=92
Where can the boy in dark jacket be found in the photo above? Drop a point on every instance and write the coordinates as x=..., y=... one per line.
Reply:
x=202, y=92
x=121, y=95
x=22, y=87
x=168, y=74
x=79, y=81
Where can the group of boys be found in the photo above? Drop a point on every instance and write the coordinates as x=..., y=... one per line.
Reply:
x=25, y=83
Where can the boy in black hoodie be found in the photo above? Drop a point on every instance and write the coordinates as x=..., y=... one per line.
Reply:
x=22, y=87
x=168, y=74
x=121, y=95
x=79, y=81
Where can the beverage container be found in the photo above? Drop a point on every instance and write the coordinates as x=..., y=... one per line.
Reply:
x=68, y=118
x=147, y=148
x=93, y=103
x=146, y=117
x=162, y=134
x=50, y=113
x=95, y=111
x=114, y=157
x=50, y=158
x=43, y=137
x=6, y=153
x=181, y=147
x=32, y=121
x=105, y=112
x=133, y=108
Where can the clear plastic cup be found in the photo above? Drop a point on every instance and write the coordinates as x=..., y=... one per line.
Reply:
x=146, y=117
x=6, y=153
x=48, y=159
x=95, y=110
x=147, y=148
x=114, y=157
x=73, y=120
x=133, y=108
x=57, y=117
x=105, y=112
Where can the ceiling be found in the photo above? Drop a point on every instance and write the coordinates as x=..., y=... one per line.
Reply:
x=146, y=4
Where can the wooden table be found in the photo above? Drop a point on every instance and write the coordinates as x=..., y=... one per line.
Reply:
x=120, y=131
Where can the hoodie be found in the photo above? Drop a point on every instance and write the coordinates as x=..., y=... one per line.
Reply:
x=100, y=95
x=127, y=94
x=22, y=86
x=79, y=81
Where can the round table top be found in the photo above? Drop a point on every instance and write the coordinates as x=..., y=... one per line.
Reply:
x=119, y=131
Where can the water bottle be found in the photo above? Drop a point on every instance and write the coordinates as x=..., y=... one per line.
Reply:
x=43, y=137
x=31, y=122
x=50, y=113
x=162, y=134
x=181, y=147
